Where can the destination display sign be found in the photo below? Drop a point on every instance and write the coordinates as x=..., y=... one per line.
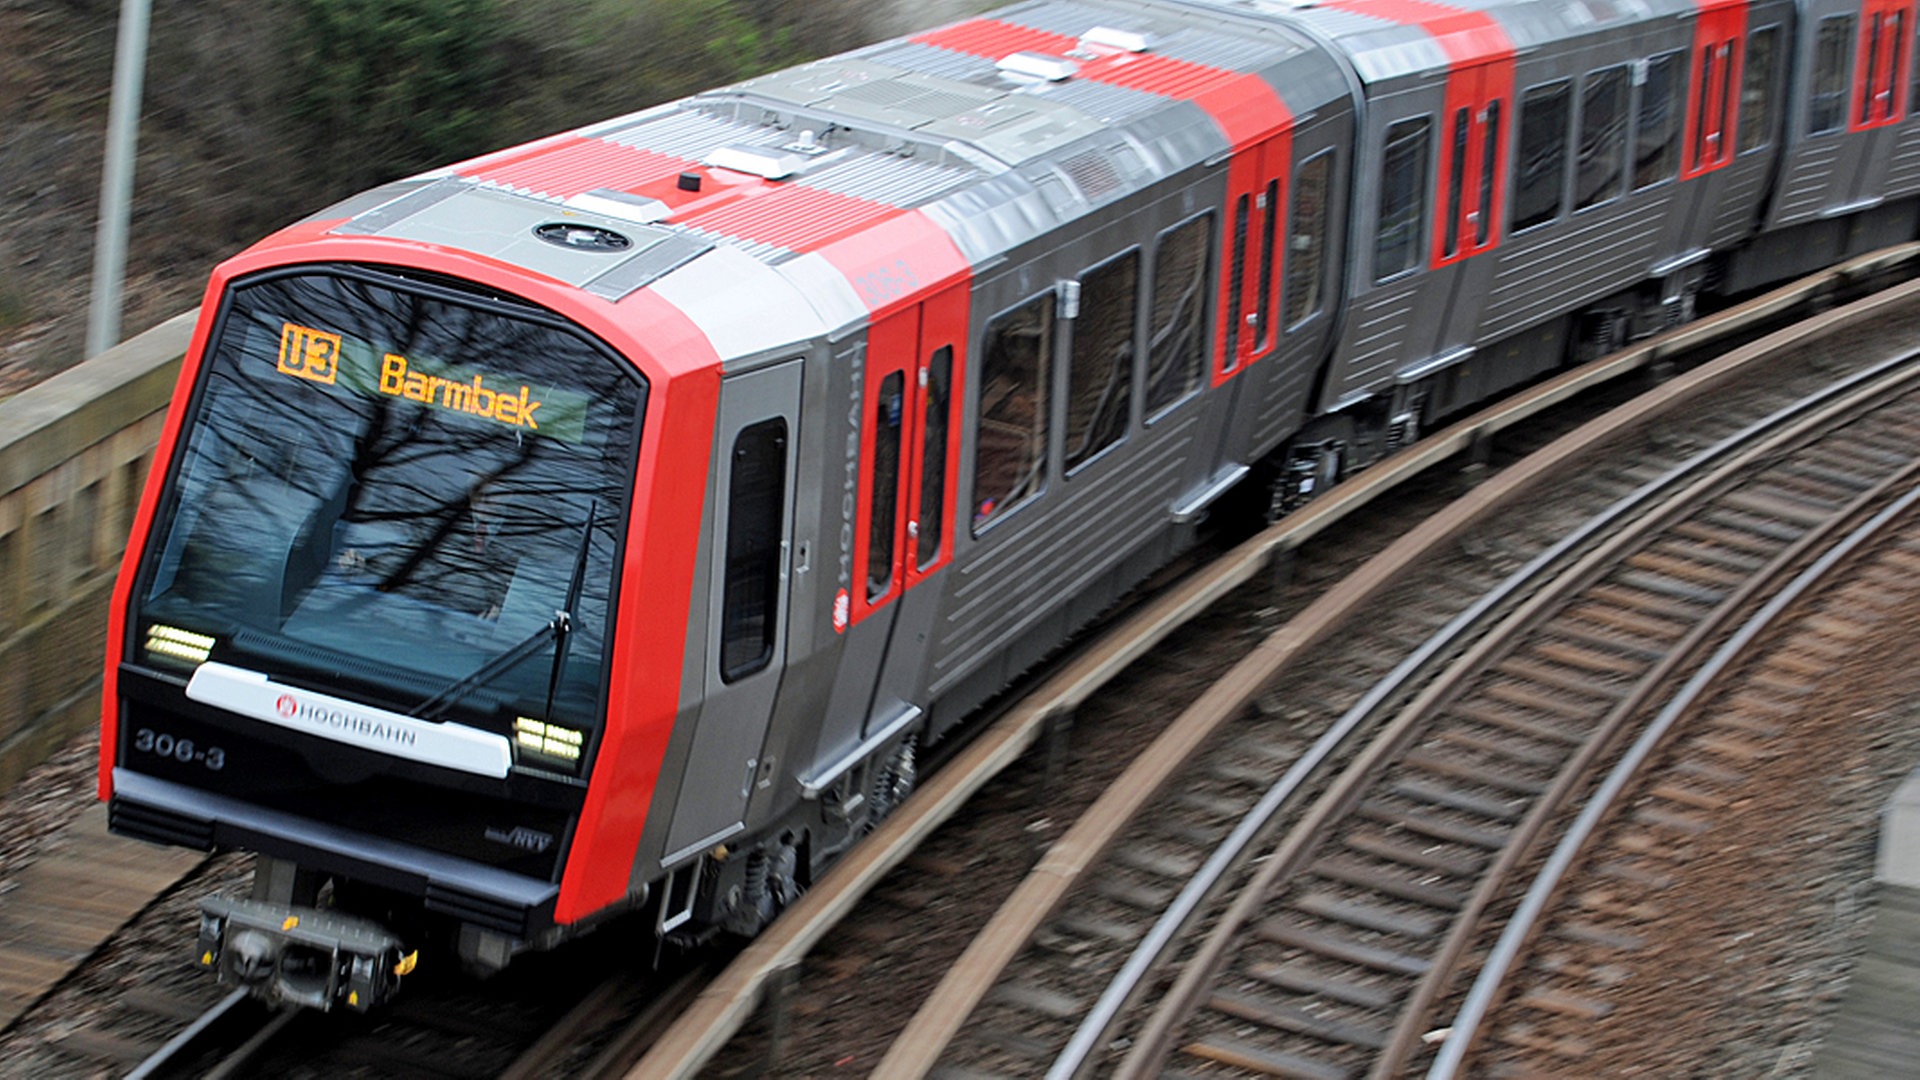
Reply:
x=467, y=391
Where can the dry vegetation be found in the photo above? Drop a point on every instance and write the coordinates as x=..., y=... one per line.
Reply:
x=257, y=113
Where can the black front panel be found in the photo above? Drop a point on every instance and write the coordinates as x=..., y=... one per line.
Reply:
x=349, y=788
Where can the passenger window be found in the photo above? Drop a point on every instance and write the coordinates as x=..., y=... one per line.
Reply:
x=1010, y=445
x=1886, y=55
x=1913, y=88
x=1456, y=182
x=1403, y=198
x=1832, y=56
x=938, y=399
x=1236, y=280
x=883, y=515
x=1656, y=141
x=1602, y=163
x=1885, y=44
x=1307, y=237
x=1177, y=335
x=1703, y=122
x=756, y=509
x=1544, y=122
x=1756, y=89
x=1897, y=44
x=1100, y=369
x=1269, y=230
x=1490, y=161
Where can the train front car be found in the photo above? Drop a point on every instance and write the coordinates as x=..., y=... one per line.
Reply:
x=386, y=588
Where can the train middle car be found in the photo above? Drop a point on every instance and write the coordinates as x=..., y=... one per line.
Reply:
x=608, y=522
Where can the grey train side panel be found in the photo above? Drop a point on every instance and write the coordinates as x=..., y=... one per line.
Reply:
x=724, y=757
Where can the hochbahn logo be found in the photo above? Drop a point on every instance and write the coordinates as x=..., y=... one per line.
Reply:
x=292, y=708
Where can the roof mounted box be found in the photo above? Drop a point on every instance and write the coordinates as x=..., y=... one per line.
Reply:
x=1038, y=66
x=764, y=162
x=620, y=204
x=1110, y=39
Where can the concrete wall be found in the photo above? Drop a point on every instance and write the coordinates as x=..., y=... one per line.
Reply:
x=74, y=452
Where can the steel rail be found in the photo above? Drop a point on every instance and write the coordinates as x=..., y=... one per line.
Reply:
x=723, y=1009
x=1407, y=1034
x=162, y=1059
x=917, y=1047
x=1127, y=984
x=1651, y=507
x=1491, y=980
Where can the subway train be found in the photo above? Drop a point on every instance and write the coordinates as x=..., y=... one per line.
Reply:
x=609, y=523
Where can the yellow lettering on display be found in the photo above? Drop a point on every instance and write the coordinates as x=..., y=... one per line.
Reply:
x=475, y=398
x=306, y=353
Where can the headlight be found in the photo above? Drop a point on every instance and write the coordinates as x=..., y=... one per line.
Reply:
x=548, y=746
x=177, y=646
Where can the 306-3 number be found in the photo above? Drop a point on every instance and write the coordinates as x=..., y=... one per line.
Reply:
x=149, y=741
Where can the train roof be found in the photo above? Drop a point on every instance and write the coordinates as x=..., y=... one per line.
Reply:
x=996, y=129
x=988, y=132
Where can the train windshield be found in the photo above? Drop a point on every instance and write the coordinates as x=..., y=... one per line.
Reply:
x=400, y=493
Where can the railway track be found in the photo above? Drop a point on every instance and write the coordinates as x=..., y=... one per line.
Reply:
x=571, y=1014
x=1047, y=1011
x=719, y=1011
x=1331, y=958
x=1557, y=970
x=1013, y=1023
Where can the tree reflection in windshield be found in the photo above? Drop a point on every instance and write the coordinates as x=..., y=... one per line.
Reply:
x=400, y=477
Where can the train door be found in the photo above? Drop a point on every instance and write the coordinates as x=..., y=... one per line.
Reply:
x=747, y=577
x=1882, y=80
x=1246, y=322
x=1256, y=204
x=901, y=523
x=930, y=480
x=1471, y=190
x=1715, y=77
x=1310, y=225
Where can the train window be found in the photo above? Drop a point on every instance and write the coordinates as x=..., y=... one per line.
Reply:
x=1403, y=198
x=1913, y=89
x=1177, y=338
x=1539, y=192
x=1705, y=127
x=756, y=508
x=1307, y=237
x=1832, y=58
x=938, y=397
x=1236, y=280
x=883, y=514
x=1897, y=45
x=1601, y=165
x=1010, y=437
x=1756, y=88
x=1456, y=182
x=1269, y=231
x=1885, y=42
x=1489, y=161
x=1724, y=107
x=1656, y=142
x=1100, y=367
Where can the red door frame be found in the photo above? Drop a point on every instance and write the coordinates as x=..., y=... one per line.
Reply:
x=1248, y=177
x=904, y=341
x=1880, y=84
x=1481, y=90
x=1716, y=67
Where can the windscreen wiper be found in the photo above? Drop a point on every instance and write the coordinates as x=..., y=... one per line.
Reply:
x=559, y=628
x=565, y=614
